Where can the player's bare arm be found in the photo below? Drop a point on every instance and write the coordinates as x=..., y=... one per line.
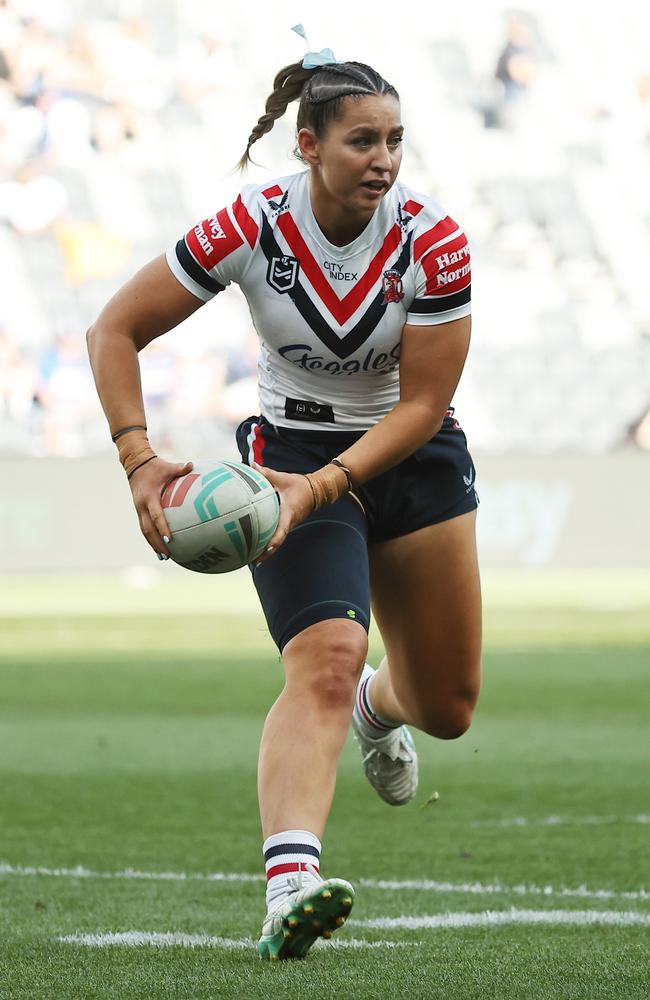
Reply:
x=144, y=308
x=147, y=306
x=431, y=364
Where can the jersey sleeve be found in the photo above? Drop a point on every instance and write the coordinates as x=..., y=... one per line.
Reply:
x=442, y=275
x=217, y=250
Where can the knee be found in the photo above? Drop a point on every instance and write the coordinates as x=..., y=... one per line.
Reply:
x=450, y=724
x=340, y=663
x=328, y=663
x=447, y=719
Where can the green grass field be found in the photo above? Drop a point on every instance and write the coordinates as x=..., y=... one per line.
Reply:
x=130, y=712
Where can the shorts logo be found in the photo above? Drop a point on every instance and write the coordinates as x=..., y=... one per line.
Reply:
x=469, y=480
x=282, y=273
x=392, y=286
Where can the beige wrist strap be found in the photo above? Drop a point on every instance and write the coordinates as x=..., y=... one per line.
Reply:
x=327, y=484
x=134, y=449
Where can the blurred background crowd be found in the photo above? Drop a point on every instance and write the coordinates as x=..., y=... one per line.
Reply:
x=119, y=126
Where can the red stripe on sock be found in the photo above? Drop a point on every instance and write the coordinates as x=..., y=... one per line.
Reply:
x=289, y=867
x=362, y=707
x=364, y=712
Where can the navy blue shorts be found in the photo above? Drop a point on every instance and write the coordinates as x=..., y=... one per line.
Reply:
x=321, y=571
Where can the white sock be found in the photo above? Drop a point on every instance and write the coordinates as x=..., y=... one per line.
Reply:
x=370, y=724
x=285, y=855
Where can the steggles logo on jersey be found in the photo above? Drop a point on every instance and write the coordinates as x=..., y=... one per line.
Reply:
x=282, y=273
x=392, y=286
x=373, y=363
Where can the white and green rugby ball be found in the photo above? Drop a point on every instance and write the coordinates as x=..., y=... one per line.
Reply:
x=222, y=516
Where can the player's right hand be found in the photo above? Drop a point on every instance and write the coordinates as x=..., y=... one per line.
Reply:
x=148, y=484
x=296, y=503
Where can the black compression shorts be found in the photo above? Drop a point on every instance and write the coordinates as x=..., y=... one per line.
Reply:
x=321, y=570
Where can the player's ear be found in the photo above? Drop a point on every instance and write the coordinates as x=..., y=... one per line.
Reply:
x=308, y=146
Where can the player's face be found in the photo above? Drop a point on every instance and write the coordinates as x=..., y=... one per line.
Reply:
x=357, y=160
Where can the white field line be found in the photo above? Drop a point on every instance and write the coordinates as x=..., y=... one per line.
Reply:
x=142, y=939
x=641, y=818
x=389, y=885
x=438, y=921
x=498, y=888
x=499, y=918
x=130, y=873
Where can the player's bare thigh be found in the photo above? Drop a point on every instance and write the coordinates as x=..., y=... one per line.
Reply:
x=426, y=599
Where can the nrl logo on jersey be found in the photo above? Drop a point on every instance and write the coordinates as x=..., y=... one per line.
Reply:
x=282, y=273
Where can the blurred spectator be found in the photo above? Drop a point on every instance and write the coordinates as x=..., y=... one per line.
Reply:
x=516, y=66
x=32, y=201
x=18, y=394
x=66, y=395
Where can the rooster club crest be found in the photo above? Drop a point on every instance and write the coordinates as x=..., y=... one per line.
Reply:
x=282, y=273
x=392, y=286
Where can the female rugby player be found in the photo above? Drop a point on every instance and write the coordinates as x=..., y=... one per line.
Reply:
x=359, y=288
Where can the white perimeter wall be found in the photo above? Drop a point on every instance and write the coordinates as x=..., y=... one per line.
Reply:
x=76, y=514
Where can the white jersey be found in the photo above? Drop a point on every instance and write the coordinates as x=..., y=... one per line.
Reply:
x=330, y=319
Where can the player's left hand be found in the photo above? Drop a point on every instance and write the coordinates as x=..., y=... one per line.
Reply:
x=296, y=503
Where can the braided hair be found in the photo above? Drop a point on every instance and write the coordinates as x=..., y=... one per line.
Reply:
x=321, y=92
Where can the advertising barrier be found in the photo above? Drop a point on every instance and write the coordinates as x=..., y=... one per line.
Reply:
x=77, y=514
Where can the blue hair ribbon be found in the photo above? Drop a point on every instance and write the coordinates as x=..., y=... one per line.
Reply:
x=314, y=59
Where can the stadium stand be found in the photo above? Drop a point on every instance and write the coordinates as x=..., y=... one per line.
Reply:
x=109, y=125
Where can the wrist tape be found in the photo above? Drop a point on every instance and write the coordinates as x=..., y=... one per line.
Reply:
x=327, y=484
x=134, y=449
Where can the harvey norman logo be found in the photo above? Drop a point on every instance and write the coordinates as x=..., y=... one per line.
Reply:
x=216, y=232
x=447, y=259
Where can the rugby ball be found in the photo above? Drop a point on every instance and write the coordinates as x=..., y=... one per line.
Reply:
x=222, y=516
